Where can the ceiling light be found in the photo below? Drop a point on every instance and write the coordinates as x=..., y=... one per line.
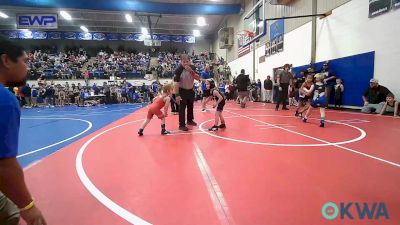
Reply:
x=65, y=15
x=128, y=18
x=145, y=31
x=201, y=21
x=3, y=15
x=84, y=29
x=196, y=33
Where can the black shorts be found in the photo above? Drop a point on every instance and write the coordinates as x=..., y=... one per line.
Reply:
x=206, y=93
x=220, y=106
x=304, y=99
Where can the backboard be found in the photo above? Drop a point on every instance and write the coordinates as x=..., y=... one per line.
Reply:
x=254, y=21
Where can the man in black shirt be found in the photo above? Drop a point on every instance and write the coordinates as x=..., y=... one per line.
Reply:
x=374, y=95
x=330, y=80
x=268, y=89
x=243, y=82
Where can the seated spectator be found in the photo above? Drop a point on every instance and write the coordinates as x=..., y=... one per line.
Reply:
x=374, y=95
x=390, y=106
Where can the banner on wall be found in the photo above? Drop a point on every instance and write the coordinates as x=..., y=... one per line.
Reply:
x=11, y=34
x=379, y=7
x=99, y=36
x=189, y=39
x=276, y=29
x=164, y=37
x=54, y=35
x=85, y=36
x=39, y=35
x=274, y=46
x=58, y=35
x=112, y=37
x=25, y=34
x=396, y=4
x=176, y=38
x=70, y=35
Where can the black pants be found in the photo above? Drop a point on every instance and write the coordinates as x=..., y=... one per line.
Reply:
x=187, y=101
x=108, y=97
x=283, y=96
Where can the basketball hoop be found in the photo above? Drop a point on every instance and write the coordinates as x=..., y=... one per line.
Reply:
x=246, y=33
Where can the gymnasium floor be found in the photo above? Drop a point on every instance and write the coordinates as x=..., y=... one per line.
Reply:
x=266, y=168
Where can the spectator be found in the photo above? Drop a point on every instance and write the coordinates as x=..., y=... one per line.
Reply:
x=330, y=80
x=258, y=84
x=243, y=82
x=390, y=106
x=268, y=89
x=339, y=89
x=34, y=95
x=26, y=90
x=374, y=95
x=204, y=76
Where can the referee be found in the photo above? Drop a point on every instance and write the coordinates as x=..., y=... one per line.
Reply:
x=284, y=78
x=183, y=88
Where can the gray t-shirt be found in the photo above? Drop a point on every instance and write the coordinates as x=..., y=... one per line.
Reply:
x=185, y=79
x=285, y=77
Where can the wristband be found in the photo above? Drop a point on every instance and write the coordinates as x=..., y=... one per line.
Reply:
x=28, y=207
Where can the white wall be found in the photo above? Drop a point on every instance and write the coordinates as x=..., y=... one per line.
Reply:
x=244, y=62
x=297, y=51
x=349, y=31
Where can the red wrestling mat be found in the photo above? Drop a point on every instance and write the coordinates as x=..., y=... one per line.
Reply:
x=266, y=167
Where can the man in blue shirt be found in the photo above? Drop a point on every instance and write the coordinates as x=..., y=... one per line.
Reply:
x=13, y=190
x=205, y=75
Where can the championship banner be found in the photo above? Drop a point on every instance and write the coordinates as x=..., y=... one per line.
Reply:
x=39, y=35
x=164, y=37
x=127, y=37
x=25, y=34
x=274, y=46
x=396, y=4
x=58, y=35
x=276, y=29
x=378, y=7
x=85, y=36
x=112, y=37
x=189, y=39
x=11, y=34
x=176, y=38
x=54, y=35
x=99, y=36
x=70, y=35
